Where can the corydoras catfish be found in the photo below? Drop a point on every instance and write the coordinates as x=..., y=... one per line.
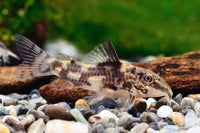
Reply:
x=104, y=73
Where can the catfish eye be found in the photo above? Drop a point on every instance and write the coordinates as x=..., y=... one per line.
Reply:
x=147, y=78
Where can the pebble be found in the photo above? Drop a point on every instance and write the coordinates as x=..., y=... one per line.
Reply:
x=27, y=120
x=149, y=117
x=140, y=105
x=39, y=114
x=10, y=101
x=18, y=96
x=194, y=129
x=194, y=96
x=140, y=128
x=58, y=112
x=79, y=117
x=87, y=112
x=177, y=118
x=94, y=118
x=98, y=128
x=178, y=98
x=153, y=125
x=175, y=106
x=3, y=98
x=2, y=108
x=62, y=126
x=190, y=119
x=170, y=129
x=111, y=130
x=4, y=129
x=81, y=102
x=150, y=130
x=37, y=127
x=38, y=101
x=197, y=108
x=107, y=103
x=162, y=101
x=164, y=111
x=162, y=124
x=100, y=108
x=187, y=103
x=124, y=120
x=197, y=122
x=150, y=101
x=64, y=105
x=13, y=112
x=106, y=115
x=13, y=122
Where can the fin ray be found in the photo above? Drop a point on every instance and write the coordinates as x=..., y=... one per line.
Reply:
x=103, y=53
x=35, y=60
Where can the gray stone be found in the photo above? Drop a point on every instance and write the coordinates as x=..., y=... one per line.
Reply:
x=18, y=96
x=175, y=106
x=125, y=120
x=39, y=114
x=38, y=101
x=178, y=98
x=162, y=124
x=149, y=117
x=111, y=130
x=170, y=129
x=98, y=128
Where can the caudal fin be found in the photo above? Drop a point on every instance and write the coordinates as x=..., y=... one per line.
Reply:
x=35, y=60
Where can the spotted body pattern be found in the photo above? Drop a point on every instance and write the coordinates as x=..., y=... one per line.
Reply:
x=103, y=73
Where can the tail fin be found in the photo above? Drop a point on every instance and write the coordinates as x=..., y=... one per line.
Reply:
x=35, y=60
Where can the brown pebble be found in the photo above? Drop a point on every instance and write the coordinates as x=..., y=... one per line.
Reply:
x=94, y=118
x=161, y=101
x=57, y=112
x=177, y=118
x=140, y=105
x=14, y=123
x=194, y=96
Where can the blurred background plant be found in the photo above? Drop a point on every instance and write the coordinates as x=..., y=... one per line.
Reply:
x=135, y=27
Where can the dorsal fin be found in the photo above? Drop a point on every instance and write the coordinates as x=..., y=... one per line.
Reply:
x=62, y=56
x=103, y=54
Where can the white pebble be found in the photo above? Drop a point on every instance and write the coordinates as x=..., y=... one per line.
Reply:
x=37, y=126
x=61, y=126
x=164, y=111
x=194, y=129
x=190, y=119
x=9, y=117
x=150, y=101
x=106, y=115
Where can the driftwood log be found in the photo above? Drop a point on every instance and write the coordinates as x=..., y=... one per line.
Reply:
x=181, y=72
